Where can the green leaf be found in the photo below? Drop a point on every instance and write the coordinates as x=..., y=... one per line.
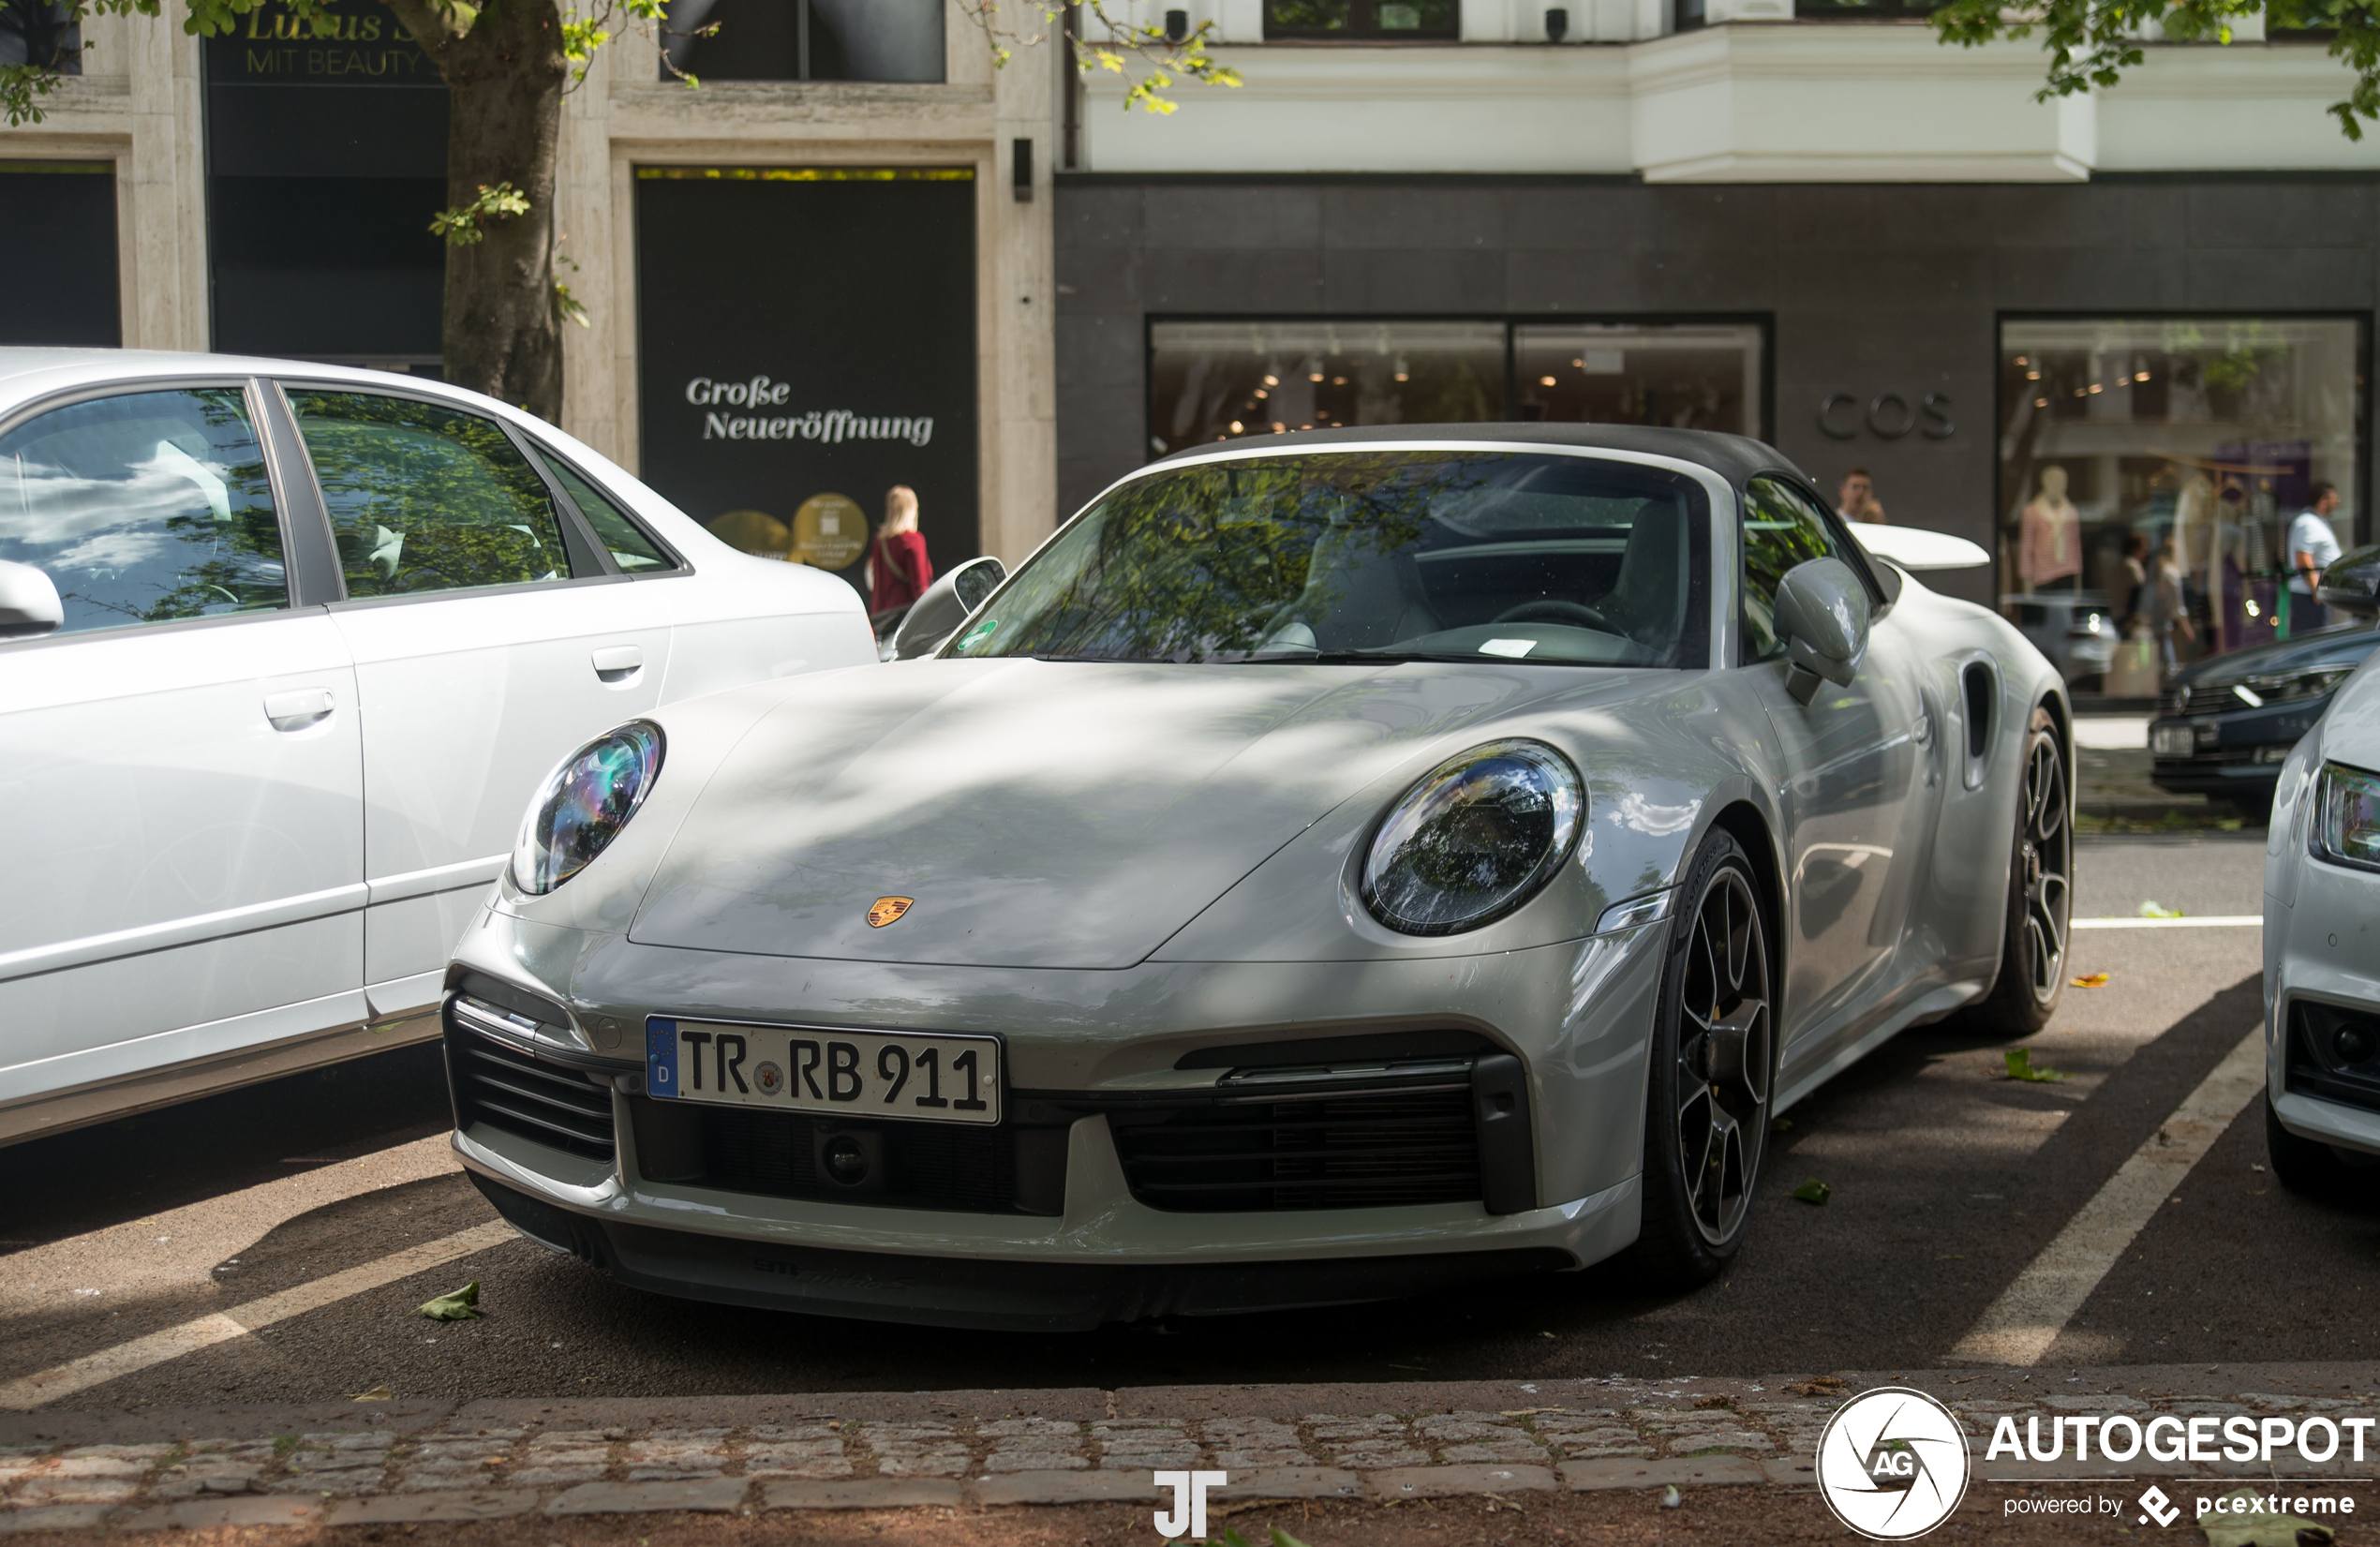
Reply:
x=1814, y=1191
x=1282, y=1538
x=462, y=1305
x=2021, y=1066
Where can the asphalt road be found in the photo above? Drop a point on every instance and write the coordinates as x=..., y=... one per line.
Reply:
x=1948, y=1179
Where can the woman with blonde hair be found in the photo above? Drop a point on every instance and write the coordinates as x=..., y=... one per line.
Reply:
x=899, y=570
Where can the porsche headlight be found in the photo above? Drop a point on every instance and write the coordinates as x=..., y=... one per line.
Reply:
x=2346, y=816
x=1475, y=839
x=583, y=805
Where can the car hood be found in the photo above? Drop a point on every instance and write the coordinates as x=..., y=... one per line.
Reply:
x=2323, y=648
x=2351, y=726
x=1042, y=813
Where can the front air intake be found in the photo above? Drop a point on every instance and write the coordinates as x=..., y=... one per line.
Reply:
x=1415, y=1143
x=510, y=1089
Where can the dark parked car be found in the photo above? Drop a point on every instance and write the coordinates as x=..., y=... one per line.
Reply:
x=2226, y=723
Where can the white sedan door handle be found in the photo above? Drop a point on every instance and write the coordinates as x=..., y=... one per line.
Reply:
x=618, y=662
x=299, y=708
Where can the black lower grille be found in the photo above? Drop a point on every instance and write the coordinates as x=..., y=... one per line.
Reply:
x=1303, y=1151
x=513, y=1090
x=1003, y=1170
x=2334, y=1054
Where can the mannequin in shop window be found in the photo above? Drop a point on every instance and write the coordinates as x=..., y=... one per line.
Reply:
x=899, y=570
x=2049, y=537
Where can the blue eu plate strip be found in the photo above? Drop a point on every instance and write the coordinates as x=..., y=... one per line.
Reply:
x=661, y=1057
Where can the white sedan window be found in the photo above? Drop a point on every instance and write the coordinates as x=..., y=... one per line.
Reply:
x=423, y=497
x=144, y=508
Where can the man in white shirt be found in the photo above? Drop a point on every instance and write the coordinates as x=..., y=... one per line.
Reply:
x=2313, y=548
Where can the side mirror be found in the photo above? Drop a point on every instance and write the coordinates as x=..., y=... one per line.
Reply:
x=936, y=615
x=2352, y=584
x=1821, y=614
x=29, y=602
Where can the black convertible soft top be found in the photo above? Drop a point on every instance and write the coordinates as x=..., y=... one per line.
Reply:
x=1736, y=457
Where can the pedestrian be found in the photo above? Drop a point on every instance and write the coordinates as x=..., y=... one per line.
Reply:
x=1858, y=498
x=899, y=570
x=2313, y=548
x=2169, y=604
x=2135, y=584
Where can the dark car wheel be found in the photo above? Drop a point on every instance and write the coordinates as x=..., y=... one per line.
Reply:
x=2033, y=954
x=1714, y=1055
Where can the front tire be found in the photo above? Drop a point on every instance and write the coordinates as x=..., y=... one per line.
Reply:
x=2033, y=954
x=1714, y=1058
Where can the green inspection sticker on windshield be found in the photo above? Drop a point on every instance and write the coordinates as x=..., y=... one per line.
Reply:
x=979, y=633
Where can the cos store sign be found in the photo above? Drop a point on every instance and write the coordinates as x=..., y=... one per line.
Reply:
x=805, y=341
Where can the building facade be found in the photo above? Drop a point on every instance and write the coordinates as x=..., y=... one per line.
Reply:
x=2126, y=328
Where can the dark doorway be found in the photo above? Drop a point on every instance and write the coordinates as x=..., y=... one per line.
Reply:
x=62, y=215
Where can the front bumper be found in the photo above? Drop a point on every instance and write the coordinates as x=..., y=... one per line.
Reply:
x=2235, y=755
x=2322, y=975
x=1066, y=1236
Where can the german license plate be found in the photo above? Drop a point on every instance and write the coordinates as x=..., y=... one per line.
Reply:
x=923, y=1078
x=2171, y=741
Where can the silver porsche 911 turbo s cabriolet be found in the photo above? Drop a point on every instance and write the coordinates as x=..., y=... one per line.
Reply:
x=1333, y=866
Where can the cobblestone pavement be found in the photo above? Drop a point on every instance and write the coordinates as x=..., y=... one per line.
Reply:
x=375, y=1462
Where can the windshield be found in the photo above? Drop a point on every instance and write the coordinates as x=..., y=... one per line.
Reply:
x=1361, y=555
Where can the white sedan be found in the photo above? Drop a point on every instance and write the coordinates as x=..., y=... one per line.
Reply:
x=2322, y=950
x=284, y=650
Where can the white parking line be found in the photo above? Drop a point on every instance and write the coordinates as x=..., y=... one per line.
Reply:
x=2206, y=921
x=30, y=1391
x=2021, y=1325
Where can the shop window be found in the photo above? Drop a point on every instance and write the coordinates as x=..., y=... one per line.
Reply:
x=1685, y=376
x=2149, y=473
x=1862, y=10
x=805, y=40
x=1218, y=381
x=1367, y=20
x=46, y=35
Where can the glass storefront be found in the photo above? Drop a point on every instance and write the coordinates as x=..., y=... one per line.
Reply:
x=1220, y=380
x=2149, y=473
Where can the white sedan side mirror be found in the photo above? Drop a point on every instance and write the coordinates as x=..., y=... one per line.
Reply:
x=1821, y=615
x=29, y=602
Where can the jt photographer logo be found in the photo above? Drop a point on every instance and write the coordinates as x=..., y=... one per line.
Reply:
x=1892, y=1464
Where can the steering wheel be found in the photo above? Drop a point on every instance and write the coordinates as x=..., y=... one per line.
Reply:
x=1550, y=609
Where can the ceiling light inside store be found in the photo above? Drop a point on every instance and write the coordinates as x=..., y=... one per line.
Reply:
x=2032, y=376
x=2023, y=361
x=2140, y=376
x=1271, y=380
x=1338, y=380
x=1579, y=363
x=1260, y=392
x=2041, y=402
x=1237, y=426
x=1278, y=426
x=1545, y=381
x=2096, y=387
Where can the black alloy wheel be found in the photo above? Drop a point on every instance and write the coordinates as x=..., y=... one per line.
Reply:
x=1713, y=1061
x=2033, y=965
